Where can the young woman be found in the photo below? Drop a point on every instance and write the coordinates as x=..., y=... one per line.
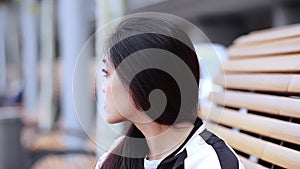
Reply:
x=152, y=78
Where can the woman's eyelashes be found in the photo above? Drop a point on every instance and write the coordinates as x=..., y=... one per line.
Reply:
x=105, y=73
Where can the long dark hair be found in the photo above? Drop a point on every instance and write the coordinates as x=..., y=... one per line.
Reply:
x=136, y=34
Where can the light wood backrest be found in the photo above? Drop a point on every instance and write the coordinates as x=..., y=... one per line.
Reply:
x=258, y=112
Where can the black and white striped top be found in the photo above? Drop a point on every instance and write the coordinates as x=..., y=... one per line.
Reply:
x=201, y=150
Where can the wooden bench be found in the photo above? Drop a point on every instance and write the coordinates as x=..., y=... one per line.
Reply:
x=49, y=150
x=258, y=112
x=72, y=161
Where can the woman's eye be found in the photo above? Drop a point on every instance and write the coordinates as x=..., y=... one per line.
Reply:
x=105, y=73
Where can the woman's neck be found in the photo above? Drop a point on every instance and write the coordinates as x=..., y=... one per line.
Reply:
x=164, y=139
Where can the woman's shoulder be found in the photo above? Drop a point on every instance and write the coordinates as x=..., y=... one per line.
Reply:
x=207, y=150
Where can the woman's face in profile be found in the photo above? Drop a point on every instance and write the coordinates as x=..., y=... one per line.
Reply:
x=118, y=104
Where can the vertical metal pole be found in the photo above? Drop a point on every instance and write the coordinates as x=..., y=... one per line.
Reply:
x=29, y=27
x=2, y=50
x=73, y=33
x=45, y=107
x=14, y=59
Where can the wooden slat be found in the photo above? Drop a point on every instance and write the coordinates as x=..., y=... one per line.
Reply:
x=74, y=161
x=285, y=46
x=266, y=126
x=258, y=102
x=261, y=82
x=273, y=153
x=270, y=34
x=283, y=63
x=52, y=141
x=248, y=164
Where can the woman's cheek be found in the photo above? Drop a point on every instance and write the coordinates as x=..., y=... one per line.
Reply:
x=121, y=99
x=115, y=104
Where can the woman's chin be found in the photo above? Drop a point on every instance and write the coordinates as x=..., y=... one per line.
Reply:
x=113, y=120
x=110, y=121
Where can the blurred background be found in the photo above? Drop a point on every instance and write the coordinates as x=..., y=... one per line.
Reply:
x=39, y=44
